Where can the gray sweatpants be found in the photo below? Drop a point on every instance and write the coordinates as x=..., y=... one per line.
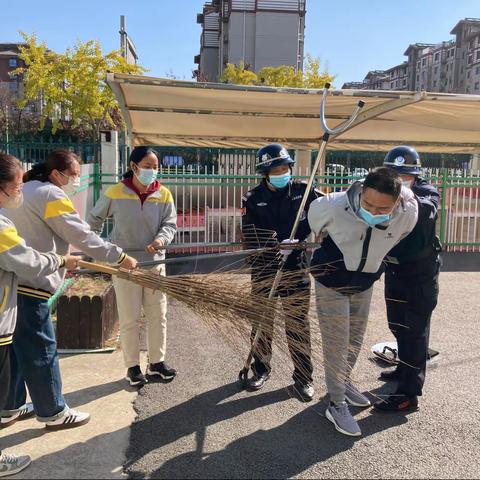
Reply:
x=343, y=320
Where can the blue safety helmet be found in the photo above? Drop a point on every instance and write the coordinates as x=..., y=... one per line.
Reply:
x=272, y=156
x=403, y=159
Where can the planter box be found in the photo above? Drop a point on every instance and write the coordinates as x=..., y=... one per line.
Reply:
x=86, y=321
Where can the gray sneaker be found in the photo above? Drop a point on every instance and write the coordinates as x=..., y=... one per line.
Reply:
x=341, y=417
x=12, y=464
x=354, y=397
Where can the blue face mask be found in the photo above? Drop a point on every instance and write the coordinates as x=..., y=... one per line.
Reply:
x=146, y=176
x=280, y=181
x=373, y=220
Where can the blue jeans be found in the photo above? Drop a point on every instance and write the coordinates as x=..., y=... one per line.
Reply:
x=34, y=361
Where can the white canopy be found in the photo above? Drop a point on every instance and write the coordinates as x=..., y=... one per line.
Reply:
x=168, y=112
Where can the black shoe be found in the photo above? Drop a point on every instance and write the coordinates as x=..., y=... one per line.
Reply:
x=391, y=375
x=135, y=376
x=305, y=391
x=258, y=381
x=397, y=403
x=161, y=369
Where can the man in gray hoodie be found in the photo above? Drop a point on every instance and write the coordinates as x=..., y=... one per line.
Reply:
x=358, y=228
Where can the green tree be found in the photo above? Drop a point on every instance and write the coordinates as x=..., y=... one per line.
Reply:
x=71, y=86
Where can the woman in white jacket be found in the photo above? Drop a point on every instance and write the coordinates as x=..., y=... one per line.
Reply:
x=48, y=221
x=16, y=259
x=144, y=219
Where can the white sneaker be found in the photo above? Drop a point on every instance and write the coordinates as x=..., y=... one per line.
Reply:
x=12, y=464
x=23, y=413
x=70, y=419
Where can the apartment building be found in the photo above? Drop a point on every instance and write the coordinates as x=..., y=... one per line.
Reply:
x=449, y=66
x=258, y=32
x=9, y=61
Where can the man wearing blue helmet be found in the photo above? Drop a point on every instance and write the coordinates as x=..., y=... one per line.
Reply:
x=411, y=285
x=270, y=207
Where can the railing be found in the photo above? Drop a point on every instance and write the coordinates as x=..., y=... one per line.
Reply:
x=209, y=204
x=37, y=152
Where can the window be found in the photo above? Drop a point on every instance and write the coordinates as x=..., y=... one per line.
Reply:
x=477, y=71
x=470, y=60
x=437, y=57
x=478, y=55
x=435, y=70
x=477, y=85
x=424, y=62
x=434, y=83
x=418, y=78
x=468, y=74
x=12, y=62
x=447, y=67
x=396, y=84
x=391, y=85
x=404, y=81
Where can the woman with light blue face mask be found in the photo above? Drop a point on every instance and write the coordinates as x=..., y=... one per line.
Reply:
x=145, y=220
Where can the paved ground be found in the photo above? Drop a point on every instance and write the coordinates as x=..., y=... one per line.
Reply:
x=96, y=450
x=202, y=426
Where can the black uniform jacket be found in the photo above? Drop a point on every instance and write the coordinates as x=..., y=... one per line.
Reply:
x=268, y=217
x=416, y=254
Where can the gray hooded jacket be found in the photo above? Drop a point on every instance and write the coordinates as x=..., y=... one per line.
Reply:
x=352, y=252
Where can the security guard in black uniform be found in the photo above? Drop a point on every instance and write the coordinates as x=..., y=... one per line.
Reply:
x=411, y=285
x=272, y=206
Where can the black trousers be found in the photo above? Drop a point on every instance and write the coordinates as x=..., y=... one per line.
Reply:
x=4, y=374
x=296, y=291
x=410, y=301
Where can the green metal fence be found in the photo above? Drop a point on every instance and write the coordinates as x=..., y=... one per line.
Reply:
x=35, y=152
x=209, y=204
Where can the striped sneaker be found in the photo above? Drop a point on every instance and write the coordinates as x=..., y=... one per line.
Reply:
x=70, y=419
x=12, y=464
x=23, y=413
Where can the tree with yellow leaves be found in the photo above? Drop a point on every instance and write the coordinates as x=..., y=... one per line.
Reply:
x=71, y=86
x=282, y=76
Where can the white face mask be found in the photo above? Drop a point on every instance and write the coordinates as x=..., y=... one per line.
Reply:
x=72, y=185
x=14, y=201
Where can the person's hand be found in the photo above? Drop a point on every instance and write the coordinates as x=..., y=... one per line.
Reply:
x=71, y=261
x=287, y=251
x=129, y=263
x=154, y=246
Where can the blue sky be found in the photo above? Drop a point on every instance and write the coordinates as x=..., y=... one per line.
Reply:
x=349, y=36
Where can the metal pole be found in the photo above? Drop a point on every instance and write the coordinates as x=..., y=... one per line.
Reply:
x=7, y=133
